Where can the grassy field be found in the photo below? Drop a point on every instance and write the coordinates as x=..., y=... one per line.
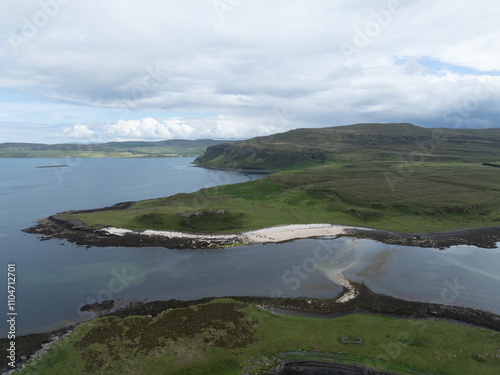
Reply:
x=354, y=144
x=224, y=336
x=435, y=197
x=98, y=154
x=386, y=176
x=160, y=149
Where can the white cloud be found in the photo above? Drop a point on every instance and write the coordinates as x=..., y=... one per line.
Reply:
x=220, y=127
x=181, y=58
x=149, y=128
x=78, y=131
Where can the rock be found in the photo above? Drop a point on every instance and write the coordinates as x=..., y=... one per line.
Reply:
x=201, y=213
x=103, y=306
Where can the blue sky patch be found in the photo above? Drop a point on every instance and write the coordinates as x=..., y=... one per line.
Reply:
x=434, y=66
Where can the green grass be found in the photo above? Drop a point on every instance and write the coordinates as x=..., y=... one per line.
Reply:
x=134, y=153
x=222, y=336
x=355, y=144
x=172, y=148
x=387, y=176
x=435, y=197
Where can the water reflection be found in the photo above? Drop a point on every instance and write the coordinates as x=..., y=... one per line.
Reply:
x=55, y=278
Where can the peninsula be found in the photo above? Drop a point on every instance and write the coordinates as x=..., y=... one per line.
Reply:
x=396, y=183
x=132, y=149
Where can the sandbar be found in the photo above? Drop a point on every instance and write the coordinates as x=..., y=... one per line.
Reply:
x=280, y=233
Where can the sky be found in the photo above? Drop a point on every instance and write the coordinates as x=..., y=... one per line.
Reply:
x=95, y=71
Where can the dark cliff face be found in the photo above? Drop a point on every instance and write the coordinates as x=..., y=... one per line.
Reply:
x=247, y=156
x=212, y=152
x=307, y=147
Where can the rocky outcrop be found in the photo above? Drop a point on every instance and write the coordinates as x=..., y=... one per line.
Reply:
x=202, y=213
x=486, y=237
x=256, y=158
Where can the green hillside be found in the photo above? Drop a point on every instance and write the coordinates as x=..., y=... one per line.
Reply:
x=353, y=143
x=387, y=176
x=229, y=337
x=171, y=148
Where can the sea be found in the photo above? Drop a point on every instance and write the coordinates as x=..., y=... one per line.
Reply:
x=55, y=278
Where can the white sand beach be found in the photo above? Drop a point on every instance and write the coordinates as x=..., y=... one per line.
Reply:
x=279, y=233
x=292, y=232
x=350, y=294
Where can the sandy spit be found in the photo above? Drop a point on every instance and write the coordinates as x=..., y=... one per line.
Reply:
x=351, y=291
x=279, y=233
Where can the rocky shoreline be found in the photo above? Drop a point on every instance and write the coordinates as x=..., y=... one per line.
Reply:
x=365, y=302
x=325, y=368
x=61, y=226
x=75, y=231
x=485, y=237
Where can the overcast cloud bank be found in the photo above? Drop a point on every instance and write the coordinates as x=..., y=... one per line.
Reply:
x=100, y=71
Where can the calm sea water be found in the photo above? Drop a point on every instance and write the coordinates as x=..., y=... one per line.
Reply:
x=55, y=278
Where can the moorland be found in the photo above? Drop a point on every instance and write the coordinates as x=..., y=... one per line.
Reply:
x=396, y=177
x=393, y=177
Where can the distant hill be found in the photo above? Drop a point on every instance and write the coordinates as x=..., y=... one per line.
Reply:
x=168, y=148
x=307, y=147
x=397, y=177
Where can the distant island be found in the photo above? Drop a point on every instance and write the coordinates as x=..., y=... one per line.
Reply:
x=52, y=166
x=132, y=149
x=416, y=186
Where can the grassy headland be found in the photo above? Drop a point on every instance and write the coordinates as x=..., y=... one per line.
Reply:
x=354, y=146
x=225, y=336
x=160, y=149
x=397, y=177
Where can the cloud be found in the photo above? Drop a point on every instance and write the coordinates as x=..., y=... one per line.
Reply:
x=414, y=67
x=78, y=131
x=149, y=129
x=220, y=127
x=132, y=66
